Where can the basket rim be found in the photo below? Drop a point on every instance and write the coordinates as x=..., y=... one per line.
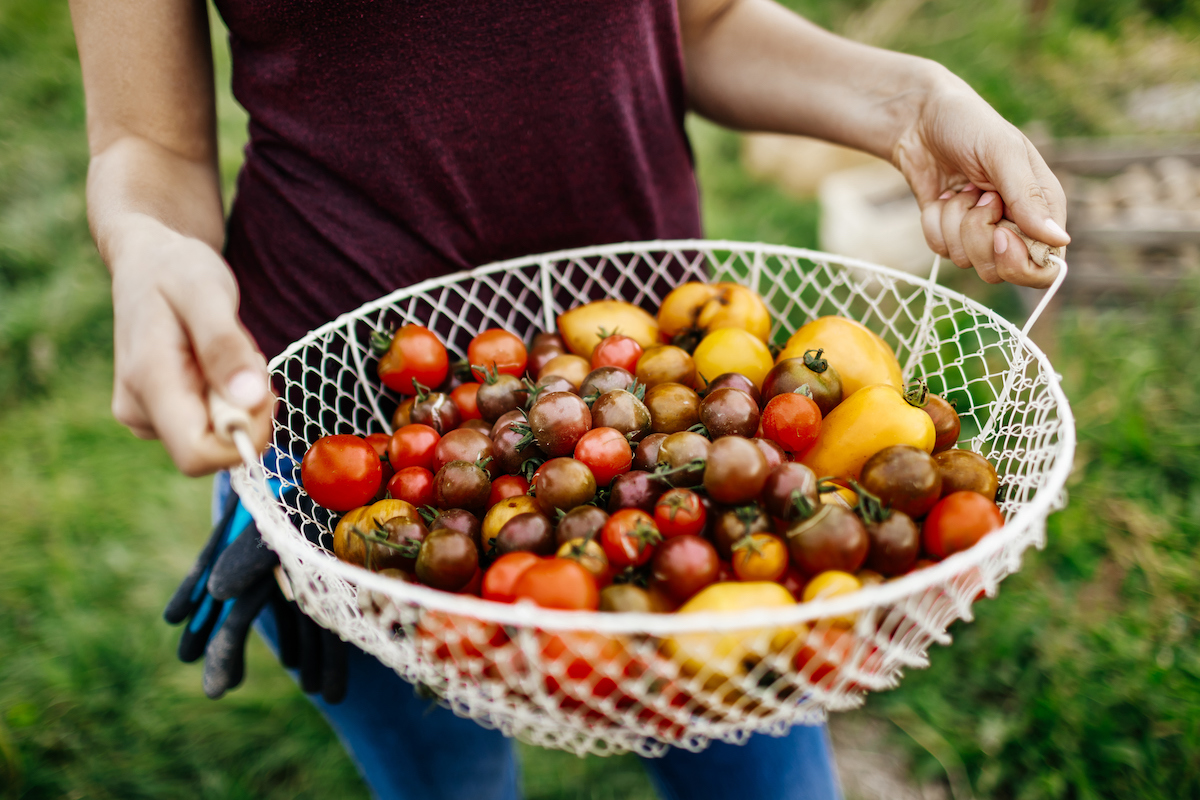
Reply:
x=524, y=614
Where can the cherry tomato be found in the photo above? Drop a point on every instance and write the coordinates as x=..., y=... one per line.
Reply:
x=558, y=583
x=412, y=485
x=957, y=522
x=498, y=348
x=685, y=564
x=792, y=421
x=380, y=442
x=760, y=557
x=507, y=486
x=606, y=452
x=341, y=472
x=464, y=444
x=617, y=351
x=463, y=396
x=628, y=538
x=679, y=512
x=793, y=580
x=415, y=354
x=413, y=446
x=500, y=579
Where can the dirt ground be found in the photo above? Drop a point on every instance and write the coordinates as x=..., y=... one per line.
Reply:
x=870, y=766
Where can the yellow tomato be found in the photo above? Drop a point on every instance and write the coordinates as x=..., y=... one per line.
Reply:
x=833, y=583
x=727, y=654
x=666, y=364
x=580, y=327
x=349, y=547
x=859, y=355
x=865, y=423
x=706, y=307
x=840, y=497
x=732, y=350
x=502, y=512
x=573, y=368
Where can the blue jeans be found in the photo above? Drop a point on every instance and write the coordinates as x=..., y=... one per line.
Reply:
x=399, y=741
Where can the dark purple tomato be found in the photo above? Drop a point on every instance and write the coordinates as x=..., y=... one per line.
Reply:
x=621, y=410
x=505, y=448
x=437, y=411
x=477, y=424
x=499, y=394
x=778, y=494
x=562, y=484
x=895, y=544
x=967, y=471
x=464, y=444
x=946, y=424
x=636, y=489
x=729, y=412
x=447, y=560
x=771, y=451
x=832, y=539
x=581, y=522
x=812, y=371
x=678, y=451
x=558, y=421
x=544, y=347
x=458, y=519
x=529, y=532
x=730, y=525
x=673, y=407
x=736, y=469
x=646, y=455
x=604, y=380
x=462, y=484
x=409, y=531
x=904, y=478
x=507, y=420
x=734, y=380
x=684, y=565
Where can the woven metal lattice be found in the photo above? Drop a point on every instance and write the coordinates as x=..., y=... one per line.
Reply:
x=606, y=683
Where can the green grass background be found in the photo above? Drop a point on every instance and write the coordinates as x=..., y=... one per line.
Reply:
x=1082, y=680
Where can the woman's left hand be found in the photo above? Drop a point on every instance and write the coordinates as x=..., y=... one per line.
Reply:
x=968, y=168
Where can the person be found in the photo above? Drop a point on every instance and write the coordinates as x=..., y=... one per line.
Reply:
x=390, y=142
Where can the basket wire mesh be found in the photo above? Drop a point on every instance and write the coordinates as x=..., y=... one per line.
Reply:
x=608, y=683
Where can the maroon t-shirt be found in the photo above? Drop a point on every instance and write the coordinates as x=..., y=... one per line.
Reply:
x=395, y=141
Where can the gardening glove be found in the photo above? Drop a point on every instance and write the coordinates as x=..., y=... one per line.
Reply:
x=227, y=587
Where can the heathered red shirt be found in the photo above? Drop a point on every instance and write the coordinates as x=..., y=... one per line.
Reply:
x=395, y=141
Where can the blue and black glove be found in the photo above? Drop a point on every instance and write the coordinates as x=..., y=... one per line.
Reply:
x=230, y=583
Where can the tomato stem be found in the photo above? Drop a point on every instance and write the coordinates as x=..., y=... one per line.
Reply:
x=917, y=393
x=814, y=362
x=869, y=507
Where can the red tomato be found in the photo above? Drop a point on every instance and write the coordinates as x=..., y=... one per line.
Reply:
x=413, y=446
x=825, y=657
x=507, y=486
x=558, y=583
x=617, y=351
x=793, y=580
x=463, y=396
x=416, y=354
x=588, y=666
x=500, y=580
x=680, y=512
x=958, y=521
x=341, y=472
x=792, y=421
x=686, y=564
x=606, y=452
x=412, y=485
x=380, y=442
x=499, y=348
x=628, y=538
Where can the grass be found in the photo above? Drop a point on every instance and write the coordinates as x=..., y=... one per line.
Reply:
x=1079, y=681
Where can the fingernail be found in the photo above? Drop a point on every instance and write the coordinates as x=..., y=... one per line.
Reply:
x=1055, y=228
x=987, y=198
x=999, y=241
x=246, y=389
x=970, y=187
x=946, y=195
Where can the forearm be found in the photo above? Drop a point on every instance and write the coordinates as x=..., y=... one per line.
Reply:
x=754, y=65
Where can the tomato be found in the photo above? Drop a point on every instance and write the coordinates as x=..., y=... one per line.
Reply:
x=380, y=442
x=679, y=512
x=589, y=553
x=866, y=422
x=499, y=348
x=606, y=452
x=860, y=357
x=412, y=485
x=628, y=538
x=830, y=584
x=507, y=486
x=413, y=446
x=464, y=397
x=500, y=579
x=793, y=580
x=341, y=472
x=958, y=521
x=792, y=421
x=693, y=309
x=588, y=666
x=733, y=350
x=825, y=654
x=580, y=327
x=558, y=583
x=617, y=351
x=760, y=557
x=684, y=565
x=415, y=354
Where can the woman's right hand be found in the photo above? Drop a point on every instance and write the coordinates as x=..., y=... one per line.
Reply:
x=177, y=334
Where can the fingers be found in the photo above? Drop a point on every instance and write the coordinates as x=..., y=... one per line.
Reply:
x=953, y=211
x=1029, y=189
x=998, y=254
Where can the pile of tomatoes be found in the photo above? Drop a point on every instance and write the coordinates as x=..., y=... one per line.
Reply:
x=630, y=462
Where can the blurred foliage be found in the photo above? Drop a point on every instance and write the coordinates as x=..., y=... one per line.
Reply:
x=1080, y=680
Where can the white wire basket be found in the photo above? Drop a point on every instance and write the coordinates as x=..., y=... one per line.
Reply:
x=609, y=683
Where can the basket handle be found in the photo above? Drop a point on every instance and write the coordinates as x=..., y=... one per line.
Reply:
x=1044, y=256
x=232, y=426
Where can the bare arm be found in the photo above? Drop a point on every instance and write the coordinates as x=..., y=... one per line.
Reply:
x=752, y=64
x=154, y=206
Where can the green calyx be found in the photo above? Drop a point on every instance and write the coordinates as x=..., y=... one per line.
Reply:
x=916, y=394
x=814, y=362
x=869, y=507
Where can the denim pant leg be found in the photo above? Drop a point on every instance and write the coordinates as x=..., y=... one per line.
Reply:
x=407, y=748
x=798, y=766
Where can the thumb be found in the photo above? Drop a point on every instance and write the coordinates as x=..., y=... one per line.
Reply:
x=1033, y=196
